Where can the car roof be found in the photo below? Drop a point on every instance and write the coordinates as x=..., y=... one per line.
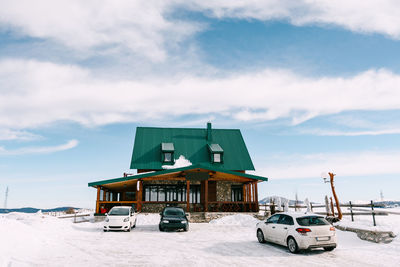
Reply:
x=299, y=214
x=173, y=207
x=124, y=207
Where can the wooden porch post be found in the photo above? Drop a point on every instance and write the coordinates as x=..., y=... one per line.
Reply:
x=206, y=195
x=104, y=195
x=187, y=196
x=97, y=200
x=257, y=207
x=253, y=187
x=139, y=196
x=254, y=191
x=249, y=190
x=244, y=197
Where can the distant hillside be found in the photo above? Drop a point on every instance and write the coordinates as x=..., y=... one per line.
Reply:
x=34, y=210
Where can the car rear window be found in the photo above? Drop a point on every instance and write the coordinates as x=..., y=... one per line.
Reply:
x=119, y=211
x=173, y=211
x=311, y=220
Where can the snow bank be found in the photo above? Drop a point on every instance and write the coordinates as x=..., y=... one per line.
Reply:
x=237, y=219
x=179, y=163
x=147, y=219
x=383, y=223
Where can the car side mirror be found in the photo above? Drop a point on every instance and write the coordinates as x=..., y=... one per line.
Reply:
x=160, y=213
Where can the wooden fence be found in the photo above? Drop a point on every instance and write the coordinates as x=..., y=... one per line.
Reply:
x=353, y=210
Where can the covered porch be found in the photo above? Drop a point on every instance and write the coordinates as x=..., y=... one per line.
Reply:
x=194, y=188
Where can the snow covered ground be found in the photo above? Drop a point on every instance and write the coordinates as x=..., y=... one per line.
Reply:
x=39, y=240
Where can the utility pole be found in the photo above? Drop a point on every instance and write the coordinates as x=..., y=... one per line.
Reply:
x=5, y=199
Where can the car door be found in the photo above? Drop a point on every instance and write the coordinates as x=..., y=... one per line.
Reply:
x=282, y=228
x=269, y=228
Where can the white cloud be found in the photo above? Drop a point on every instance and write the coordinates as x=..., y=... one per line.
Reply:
x=343, y=164
x=367, y=16
x=322, y=132
x=149, y=28
x=38, y=150
x=8, y=134
x=108, y=25
x=38, y=93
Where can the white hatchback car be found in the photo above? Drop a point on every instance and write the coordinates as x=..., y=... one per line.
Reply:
x=297, y=231
x=120, y=218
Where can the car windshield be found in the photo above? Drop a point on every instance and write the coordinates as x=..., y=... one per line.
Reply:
x=173, y=212
x=311, y=220
x=119, y=211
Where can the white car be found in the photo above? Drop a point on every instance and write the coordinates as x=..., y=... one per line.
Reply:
x=297, y=231
x=120, y=218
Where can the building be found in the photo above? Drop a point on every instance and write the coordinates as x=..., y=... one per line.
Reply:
x=216, y=180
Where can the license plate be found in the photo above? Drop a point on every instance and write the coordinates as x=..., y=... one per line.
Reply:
x=324, y=238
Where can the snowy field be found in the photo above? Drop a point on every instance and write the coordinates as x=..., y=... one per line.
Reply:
x=38, y=240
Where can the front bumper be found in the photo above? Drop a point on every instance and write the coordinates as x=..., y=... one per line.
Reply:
x=116, y=226
x=173, y=225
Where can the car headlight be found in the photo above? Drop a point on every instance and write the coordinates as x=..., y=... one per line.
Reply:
x=107, y=219
x=165, y=221
x=183, y=221
x=126, y=219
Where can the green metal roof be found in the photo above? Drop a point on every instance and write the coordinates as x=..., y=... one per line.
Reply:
x=215, y=148
x=197, y=166
x=192, y=144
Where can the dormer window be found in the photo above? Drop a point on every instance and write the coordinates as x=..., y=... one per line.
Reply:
x=217, y=157
x=167, y=150
x=216, y=153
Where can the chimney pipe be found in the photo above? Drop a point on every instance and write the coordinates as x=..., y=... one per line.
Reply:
x=209, y=136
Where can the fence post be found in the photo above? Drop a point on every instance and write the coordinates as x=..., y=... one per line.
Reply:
x=373, y=212
x=351, y=211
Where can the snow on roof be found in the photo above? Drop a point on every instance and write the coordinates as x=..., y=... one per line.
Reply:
x=179, y=163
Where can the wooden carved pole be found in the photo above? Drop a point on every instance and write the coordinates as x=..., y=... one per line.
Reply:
x=331, y=175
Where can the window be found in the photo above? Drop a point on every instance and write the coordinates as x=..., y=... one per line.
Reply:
x=285, y=219
x=167, y=150
x=216, y=153
x=311, y=220
x=273, y=218
x=164, y=193
x=194, y=194
x=237, y=193
x=168, y=157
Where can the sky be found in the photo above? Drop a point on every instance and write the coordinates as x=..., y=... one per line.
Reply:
x=314, y=87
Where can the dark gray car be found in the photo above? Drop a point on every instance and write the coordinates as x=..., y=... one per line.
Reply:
x=173, y=218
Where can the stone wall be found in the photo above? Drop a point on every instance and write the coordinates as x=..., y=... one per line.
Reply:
x=224, y=190
x=158, y=207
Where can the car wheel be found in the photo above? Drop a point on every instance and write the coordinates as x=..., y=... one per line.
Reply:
x=292, y=245
x=104, y=230
x=329, y=248
x=160, y=228
x=186, y=228
x=260, y=236
x=134, y=225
